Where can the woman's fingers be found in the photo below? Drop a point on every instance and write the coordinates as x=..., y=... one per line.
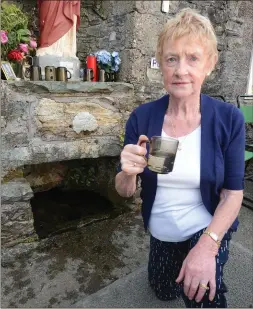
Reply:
x=181, y=273
x=132, y=158
x=187, y=284
x=212, y=285
x=132, y=170
x=193, y=288
x=202, y=290
x=135, y=149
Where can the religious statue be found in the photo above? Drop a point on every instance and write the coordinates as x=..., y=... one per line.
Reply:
x=59, y=20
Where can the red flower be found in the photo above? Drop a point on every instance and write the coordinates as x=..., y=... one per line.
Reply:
x=15, y=55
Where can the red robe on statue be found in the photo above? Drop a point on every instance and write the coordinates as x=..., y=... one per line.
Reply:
x=56, y=19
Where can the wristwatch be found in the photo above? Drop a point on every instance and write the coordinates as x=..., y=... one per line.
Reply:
x=213, y=236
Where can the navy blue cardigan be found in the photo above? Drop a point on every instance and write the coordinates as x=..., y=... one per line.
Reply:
x=222, y=149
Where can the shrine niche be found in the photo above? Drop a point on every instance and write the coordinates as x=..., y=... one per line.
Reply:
x=58, y=24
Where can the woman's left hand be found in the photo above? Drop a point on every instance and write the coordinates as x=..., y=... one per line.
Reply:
x=199, y=268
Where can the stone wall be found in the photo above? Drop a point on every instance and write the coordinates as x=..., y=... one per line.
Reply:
x=132, y=27
x=40, y=125
x=233, y=24
x=38, y=118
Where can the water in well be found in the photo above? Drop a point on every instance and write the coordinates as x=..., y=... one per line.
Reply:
x=56, y=210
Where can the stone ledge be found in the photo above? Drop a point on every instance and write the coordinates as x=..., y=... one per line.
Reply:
x=71, y=87
x=41, y=152
x=14, y=191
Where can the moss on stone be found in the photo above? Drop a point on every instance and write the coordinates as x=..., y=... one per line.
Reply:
x=13, y=174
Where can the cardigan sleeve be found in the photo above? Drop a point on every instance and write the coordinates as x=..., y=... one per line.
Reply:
x=234, y=154
x=131, y=133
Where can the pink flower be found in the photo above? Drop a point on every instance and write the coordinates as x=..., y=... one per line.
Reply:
x=33, y=44
x=4, y=38
x=23, y=47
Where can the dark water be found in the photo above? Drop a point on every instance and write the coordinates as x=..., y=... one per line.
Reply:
x=55, y=208
x=161, y=162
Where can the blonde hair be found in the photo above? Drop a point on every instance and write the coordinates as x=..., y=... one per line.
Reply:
x=188, y=22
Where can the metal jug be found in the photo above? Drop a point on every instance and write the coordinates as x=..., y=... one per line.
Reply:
x=50, y=73
x=88, y=75
x=62, y=74
x=35, y=73
x=102, y=76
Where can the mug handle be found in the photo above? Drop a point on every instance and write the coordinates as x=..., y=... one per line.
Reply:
x=147, y=142
x=70, y=75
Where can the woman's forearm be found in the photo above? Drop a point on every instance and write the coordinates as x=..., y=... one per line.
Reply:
x=224, y=216
x=125, y=184
x=226, y=212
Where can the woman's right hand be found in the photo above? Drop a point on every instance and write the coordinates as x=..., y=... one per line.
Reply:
x=133, y=159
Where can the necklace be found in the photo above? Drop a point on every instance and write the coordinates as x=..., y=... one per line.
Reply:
x=180, y=144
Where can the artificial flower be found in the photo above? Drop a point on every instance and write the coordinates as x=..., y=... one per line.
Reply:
x=23, y=47
x=103, y=57
x=33, y=44
x=4, y=37
x=15, y=55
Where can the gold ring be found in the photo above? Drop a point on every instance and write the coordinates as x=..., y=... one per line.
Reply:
x=204, y=286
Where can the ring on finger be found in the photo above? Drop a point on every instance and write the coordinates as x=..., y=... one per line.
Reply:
x=204, y=286
x=134, y=164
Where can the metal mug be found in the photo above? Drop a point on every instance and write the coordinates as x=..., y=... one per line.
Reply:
x=62, y=74
x=50, y=73
x=102, y=75
x=88, y=75
x=161, y=154
x=35, y=73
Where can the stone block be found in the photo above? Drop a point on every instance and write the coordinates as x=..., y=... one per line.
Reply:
x=154, y=75
x=16, y=221
x=16, y=212
x=16, y=190
x=55, y=119
x=13, y=139
x=3, y=122
x=83, y=148
x=233, y=28
x=94, y=31
x=16, y=157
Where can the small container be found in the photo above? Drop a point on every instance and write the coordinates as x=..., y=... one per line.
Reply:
x=102, y=75
x=91, y=63
x=50, y=73
x=62, y=74
x=35, y=73
x=88, y=75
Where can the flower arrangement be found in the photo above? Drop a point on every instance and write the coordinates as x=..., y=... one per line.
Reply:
x=110, y=62
x=16, y=39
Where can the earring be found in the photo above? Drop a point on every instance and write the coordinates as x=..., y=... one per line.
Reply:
x=208, y=74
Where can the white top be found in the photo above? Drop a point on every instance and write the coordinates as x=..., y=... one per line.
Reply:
x=178, y=211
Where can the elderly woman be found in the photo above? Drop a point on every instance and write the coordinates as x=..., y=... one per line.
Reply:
x=191, y=212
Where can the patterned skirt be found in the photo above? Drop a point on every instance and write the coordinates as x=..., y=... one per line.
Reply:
x=165, y=261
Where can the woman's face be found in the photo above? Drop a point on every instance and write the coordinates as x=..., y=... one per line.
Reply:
x=184, y=65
